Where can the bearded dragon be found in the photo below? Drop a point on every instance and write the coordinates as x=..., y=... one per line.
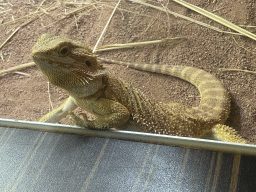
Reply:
x=72, y=66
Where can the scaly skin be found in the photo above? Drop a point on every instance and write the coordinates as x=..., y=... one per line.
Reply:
x=72, y=66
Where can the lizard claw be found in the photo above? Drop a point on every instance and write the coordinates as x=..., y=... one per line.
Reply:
x=84, y=116
x=78, y=121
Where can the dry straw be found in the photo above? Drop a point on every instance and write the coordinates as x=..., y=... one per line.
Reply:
x=199, y=10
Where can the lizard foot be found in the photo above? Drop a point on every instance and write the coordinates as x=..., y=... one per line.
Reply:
x=78, y=121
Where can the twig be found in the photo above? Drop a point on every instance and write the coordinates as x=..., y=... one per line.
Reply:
x=217, y=19
x=243, y=46
x=24, y=24
x=106, y=26
x=49, y=94
x=183, y=17
x=120, y=9
x=17, y=67
x=130, y=45
x=239, y=70
x=21, y=73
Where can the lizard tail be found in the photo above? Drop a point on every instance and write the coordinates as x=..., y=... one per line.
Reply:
x=226, y=133
x=215, y=100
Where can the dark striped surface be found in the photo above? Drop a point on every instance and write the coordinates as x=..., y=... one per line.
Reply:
x=41, y=161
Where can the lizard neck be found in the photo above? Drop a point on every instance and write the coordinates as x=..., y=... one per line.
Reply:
x=86, y=90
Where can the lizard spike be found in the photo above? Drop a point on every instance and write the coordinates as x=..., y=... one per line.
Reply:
x=85, y=81
x=90, y=76
x=78, y=77
x=120, y=101
x=100, y=73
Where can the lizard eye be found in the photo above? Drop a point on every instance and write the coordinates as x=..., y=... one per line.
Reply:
x=64, y=51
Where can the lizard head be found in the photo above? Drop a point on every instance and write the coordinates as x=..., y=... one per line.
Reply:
x=67, y=63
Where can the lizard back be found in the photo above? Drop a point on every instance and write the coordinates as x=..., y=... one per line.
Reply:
x=72, y=66
x=213, y=109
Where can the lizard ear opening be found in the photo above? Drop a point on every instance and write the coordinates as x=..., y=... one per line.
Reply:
x=88, y=63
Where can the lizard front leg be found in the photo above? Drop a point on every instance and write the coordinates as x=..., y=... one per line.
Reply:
x=59, y=113
x=108, y=113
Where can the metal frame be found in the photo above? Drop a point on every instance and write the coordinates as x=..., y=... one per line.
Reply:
x=246, y=149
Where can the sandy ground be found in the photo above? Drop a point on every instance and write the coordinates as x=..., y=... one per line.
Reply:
x=26, y=97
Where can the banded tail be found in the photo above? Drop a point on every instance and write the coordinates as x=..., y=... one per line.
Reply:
x=215, y=100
